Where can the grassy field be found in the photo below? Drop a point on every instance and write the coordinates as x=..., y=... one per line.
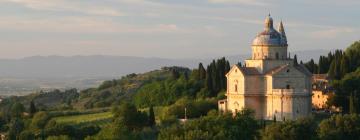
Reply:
x=100, y=119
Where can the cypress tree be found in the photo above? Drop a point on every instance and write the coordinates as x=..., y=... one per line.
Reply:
x=333, y=71
x=344, y=66
x=353, y=104
x=321, y=65
x=202, y=71
x=151, y=116
x=32, y=108
x=295, y=60
x=209, y=79
x=215, y=78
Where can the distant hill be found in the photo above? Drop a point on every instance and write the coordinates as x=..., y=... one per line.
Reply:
x=20, y=76
x=105, y=66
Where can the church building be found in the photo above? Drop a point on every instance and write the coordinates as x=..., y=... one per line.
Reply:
x=270, y=82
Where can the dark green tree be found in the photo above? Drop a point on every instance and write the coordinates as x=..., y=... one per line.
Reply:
x=340, y=127
x=15, y=128
x=151, y=116
x=40, y=120
x=344, y=66
x=353, y=101
x=202, y=71
x=295, y=60
x=291, y=130
x=17, y=109
x=32, y=108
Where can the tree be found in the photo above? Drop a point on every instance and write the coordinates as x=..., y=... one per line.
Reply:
x=353, y=101
x=344, y=66
x=32, y=108
x=300, y=129
x=334, y=70
x=311, y=66
x=215, y=126
x=151, y=116
x=40, y=120
x=61, y=137
x=15, y=128
x=26, y=135
x=129, y=116
x=348, y=84
x=17, y=109
x=295, y=60
x=340, y=127
x=202, y=71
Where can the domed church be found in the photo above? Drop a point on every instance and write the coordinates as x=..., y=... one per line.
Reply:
x=270, y=83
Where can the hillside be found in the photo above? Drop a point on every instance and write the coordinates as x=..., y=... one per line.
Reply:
x=106, y=94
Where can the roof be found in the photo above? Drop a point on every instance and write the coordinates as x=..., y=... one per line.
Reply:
x=249, y=70
x=276, y=69
x=270, y=36
x=299, y=67
x=303, y=69
x=320, y=77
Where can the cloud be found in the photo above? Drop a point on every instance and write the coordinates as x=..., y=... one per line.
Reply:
x=67, y=5
x=245, y=2
x=331, y=33
x=83, y=25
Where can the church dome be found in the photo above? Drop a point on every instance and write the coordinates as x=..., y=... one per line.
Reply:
x=270, y=37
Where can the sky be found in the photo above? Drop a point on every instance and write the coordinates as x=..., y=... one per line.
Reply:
x=174, y=29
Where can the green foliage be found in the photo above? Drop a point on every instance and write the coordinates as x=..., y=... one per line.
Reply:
x=77, y=132
x=17, y=110
x=32, y=108
x=340, y=127
x=128, y=115
x=26, y=135
x=166, y=92
x=40, y=119
x=62, y=137
x=85, y=118
x=346, y=88
x=214, y=126
x=151, y=117
x=194, y=108
x=202, y=72
x=291, y=130
x=295, y=60
x=311, y=66
x=112, y=92
x=215, y=76
x=15, y=128
x=128, y=123
x=337, y=64
x=354, y=104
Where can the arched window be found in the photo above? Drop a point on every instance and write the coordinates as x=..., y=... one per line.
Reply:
x=287, y=86
x=277, y=55
x=236, y=88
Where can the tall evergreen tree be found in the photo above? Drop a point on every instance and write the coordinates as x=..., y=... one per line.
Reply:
x=332, y=71
x=344, y=66
x=202, y=71
x=151, y=116
x=32, y=108
x=209, y=80
x=353, y=104
x=295, y=60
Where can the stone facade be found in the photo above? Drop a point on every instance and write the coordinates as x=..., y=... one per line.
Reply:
x=269, y=83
